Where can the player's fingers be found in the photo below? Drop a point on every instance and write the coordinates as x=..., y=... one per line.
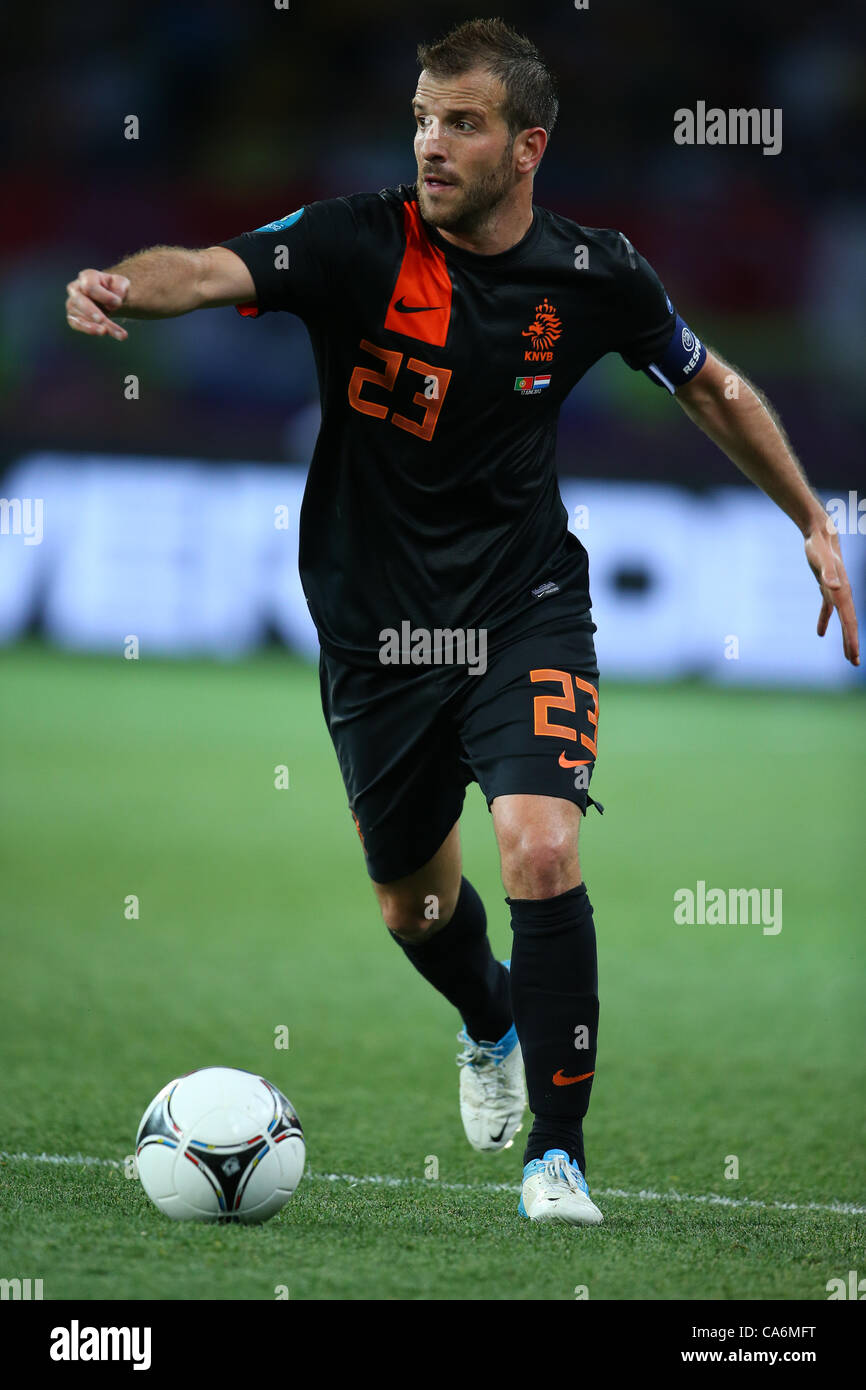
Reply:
x=79, y=303
x=98, y=330
x=84, y=325
x=102, y=330
x=117, y=284
x=848, y=619
x=84, y=311
x=80, y=325
x=843, y=602
x=82, y=315
x=824, y=616
x=85, y=294
x=836, y=591
x=109, y=290
x=95, y=330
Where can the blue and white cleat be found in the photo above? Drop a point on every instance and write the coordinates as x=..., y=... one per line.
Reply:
x=492, y=1089
x=554, y=1189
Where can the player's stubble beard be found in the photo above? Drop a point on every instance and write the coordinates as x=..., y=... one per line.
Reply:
x=479, y=203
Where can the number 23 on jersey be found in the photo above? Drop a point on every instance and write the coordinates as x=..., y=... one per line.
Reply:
x=368, y=382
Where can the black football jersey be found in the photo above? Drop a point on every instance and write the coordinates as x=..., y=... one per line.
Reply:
x=432, y=494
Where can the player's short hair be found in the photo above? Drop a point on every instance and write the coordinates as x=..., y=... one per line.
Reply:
x=530, y=89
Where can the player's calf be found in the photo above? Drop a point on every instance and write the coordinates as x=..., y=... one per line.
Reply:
x=554, y=981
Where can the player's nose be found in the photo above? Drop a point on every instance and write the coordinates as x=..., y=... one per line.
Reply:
x=432, y=143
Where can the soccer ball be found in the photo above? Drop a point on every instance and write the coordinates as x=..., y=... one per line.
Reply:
x=220, y=1145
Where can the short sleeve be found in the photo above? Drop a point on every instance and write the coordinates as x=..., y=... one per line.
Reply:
x=298, y=262
x=645, y=315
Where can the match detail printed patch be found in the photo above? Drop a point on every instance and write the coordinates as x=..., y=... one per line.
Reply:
x=531, y=385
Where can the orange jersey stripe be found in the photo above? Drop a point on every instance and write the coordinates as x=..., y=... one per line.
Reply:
x=423, y=288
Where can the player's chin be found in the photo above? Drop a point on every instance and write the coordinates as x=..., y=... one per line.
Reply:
x=437, y=210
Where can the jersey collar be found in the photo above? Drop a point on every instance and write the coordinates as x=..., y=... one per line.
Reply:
x=478, y=261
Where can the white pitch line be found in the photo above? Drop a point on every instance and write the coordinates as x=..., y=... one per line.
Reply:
x=379, y=1180
x=645, y=1195
x=79, y=1160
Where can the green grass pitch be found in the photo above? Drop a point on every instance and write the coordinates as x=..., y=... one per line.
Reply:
x=157, y=779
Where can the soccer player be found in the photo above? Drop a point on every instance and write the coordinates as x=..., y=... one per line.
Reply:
x=449, y=320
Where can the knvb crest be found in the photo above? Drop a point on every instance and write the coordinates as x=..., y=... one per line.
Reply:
x=544, y=330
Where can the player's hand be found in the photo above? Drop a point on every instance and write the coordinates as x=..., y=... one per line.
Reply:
x=825, y=561
x=91, y=298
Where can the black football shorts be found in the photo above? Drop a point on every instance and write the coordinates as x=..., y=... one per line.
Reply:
x=409, y=740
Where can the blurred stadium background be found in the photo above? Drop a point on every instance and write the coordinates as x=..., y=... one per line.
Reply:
x=153, y=517
x=158, y=522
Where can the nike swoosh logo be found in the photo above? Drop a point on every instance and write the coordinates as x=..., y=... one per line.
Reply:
x=559, y=1079
x=403, y=308
x=578, y=762
x=495, y=1138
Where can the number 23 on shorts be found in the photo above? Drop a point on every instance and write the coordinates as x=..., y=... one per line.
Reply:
x=543, y=704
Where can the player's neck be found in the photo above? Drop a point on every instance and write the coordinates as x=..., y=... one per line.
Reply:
x=509, y=226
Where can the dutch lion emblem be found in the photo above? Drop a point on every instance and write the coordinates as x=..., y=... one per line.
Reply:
x=545, y=327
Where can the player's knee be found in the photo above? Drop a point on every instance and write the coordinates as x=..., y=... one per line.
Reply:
x=408, y=927
x=543, y=860
x=411, y=933
x=412, y=921
x=405, y=921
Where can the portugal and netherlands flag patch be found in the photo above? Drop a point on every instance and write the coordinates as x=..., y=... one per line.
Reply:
x=531, y=385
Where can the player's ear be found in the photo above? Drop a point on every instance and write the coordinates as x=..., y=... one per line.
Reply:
x=529, y=147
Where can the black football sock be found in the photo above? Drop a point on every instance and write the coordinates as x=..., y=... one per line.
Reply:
x=554, y=993
x=459, y=963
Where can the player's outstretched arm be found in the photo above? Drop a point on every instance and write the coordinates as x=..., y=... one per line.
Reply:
x=738, y=417
x=157, y=284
